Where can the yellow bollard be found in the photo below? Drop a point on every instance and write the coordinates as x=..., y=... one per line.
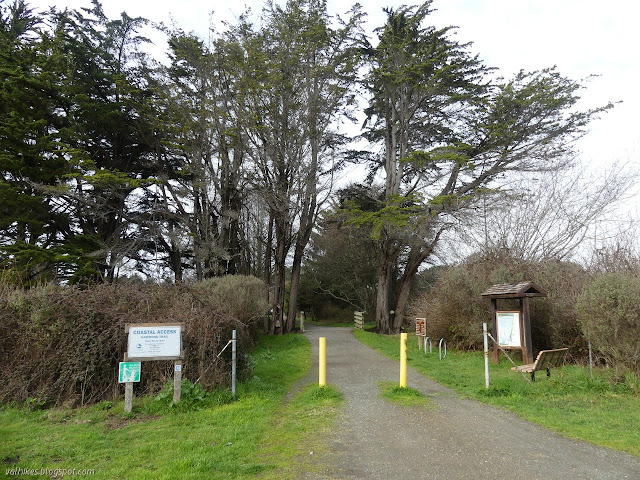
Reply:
x=403, y=360
x=322, y=374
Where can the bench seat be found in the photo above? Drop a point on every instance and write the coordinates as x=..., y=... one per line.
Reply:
x=545, y=360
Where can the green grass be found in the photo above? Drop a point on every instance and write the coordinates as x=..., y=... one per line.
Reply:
x=297, y=436
x=404, y=396
x=216, y=439
x=604, y=410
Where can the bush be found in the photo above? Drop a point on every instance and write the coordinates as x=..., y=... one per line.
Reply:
x=609, y=314
x=241, y=296
x=455, y=309
x=63, y=344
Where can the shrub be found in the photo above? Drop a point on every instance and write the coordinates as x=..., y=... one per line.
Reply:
x=240, y=296
x=609, y=315
x=455, y=309
x=63, y=344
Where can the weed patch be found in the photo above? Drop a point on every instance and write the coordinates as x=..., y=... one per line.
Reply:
x=405, y=396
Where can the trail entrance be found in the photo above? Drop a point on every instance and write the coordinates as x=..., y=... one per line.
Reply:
x=451, y=438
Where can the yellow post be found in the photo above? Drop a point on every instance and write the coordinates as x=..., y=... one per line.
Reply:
x=403, y=360
x=322, y=377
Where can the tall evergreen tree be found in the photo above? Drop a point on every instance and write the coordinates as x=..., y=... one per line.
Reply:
x=33, y=223
x=448, y=135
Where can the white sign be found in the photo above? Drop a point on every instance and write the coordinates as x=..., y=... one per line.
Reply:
x=154, y=341
x=509, y=329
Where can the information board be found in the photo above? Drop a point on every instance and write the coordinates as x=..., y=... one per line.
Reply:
x=509, y=329
x=155, y=342
x=421, y=327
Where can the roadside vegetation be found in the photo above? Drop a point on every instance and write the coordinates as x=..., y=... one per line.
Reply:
x=207, y=436
x=405, y=396
x=604, y=410
x=61, y=345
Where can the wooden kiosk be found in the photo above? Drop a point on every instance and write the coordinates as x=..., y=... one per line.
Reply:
x=512, y=328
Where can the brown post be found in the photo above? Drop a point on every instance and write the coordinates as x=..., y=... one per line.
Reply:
x=177, y=380
x=494, y=323
x=128, y=396
x=128, y=391
x=527, y=347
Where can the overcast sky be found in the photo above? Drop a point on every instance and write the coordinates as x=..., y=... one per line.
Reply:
x=581, y=37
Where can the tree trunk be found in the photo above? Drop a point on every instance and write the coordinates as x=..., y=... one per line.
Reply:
x=410, y=271
x=280, y=276
x=293, y=292
x=383, y=323
x=267, y=270
x=306, y=226
x=175, y=258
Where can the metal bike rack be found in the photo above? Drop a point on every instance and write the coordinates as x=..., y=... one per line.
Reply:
x=428, y=340
x=442, y=340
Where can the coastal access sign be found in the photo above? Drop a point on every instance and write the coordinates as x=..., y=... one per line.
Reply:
x=154, y=341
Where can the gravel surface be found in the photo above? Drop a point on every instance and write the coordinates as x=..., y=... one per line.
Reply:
x=453, y=438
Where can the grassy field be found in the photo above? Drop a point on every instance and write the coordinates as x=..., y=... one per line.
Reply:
x=256, y=435
x=604, y=410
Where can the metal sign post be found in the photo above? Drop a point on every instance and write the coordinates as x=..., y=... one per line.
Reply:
x=485, y=335
x=233, y=364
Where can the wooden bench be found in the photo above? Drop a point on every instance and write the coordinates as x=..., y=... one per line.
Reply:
x=358, y=318
x=544, y=361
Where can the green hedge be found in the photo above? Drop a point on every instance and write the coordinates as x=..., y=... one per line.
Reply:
x=62, y=345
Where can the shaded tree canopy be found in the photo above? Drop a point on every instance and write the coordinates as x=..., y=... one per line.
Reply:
x=222, y=159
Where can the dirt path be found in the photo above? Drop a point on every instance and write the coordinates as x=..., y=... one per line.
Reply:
x=455, y=438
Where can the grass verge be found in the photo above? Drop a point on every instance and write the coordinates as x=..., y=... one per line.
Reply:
x=604, y=410
x=297, y=435
x=219, y=439
x=404, y=396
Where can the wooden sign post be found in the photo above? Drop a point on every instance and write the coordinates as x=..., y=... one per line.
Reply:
x=512, y=329
x=152, y=342
x=421, y=331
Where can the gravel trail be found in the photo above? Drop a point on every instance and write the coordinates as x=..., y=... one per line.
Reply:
x=453, y=438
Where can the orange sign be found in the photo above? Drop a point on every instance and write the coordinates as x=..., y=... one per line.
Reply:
x=421, y=327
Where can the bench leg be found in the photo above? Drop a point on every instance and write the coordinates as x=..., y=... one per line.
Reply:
x=533, y=376
x=548, y=372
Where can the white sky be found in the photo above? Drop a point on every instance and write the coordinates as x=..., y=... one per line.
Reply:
x=581, y=37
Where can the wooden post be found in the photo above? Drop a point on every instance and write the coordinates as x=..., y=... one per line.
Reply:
x=302, y=322
x=494, y=324
x=128, y=397
x=527, y=347
x=177, y=380
x=128, y=389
